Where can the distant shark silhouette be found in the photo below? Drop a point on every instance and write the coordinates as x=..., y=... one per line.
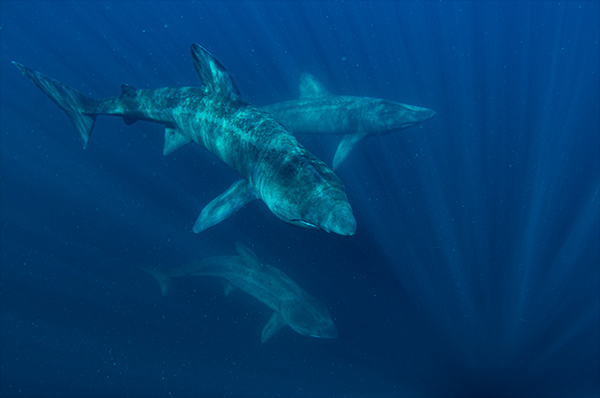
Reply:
x=291, y=304
x=319, y=112
x=296, y=186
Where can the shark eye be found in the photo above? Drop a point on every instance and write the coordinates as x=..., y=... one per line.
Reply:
x=304, y=224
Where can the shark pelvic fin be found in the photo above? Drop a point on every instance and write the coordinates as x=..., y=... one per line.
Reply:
x=228, y=288
x=174, y=139
x=215, y=78
x=223, y=206
x=164, y=282
x=311, y=87
x=345, y=147
x=275, y=323
x=77, y=106
x=128, y=91
x=247, y=255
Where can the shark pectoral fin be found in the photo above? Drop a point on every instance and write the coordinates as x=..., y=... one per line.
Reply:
x=228, y=288
x=247, y=255
x=234, y=198
x=345, y=147
x=311, y=87
x=174, y=139
x=214, y=76
x=163, y=280
x=275, y=323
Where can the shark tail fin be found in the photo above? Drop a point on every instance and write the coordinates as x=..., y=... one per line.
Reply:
x=164, y=281
x=77, y=106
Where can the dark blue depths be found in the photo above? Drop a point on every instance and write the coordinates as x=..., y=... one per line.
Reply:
x=475, y=267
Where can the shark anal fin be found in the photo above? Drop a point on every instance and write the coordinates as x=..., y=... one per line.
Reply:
x=275, y=323
x=174, y=139
x=311, y=87
x=215, y=78
x=223, y=206
x=345, y=147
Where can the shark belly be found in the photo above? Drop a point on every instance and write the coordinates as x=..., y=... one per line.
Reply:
x=329, y=115
x=258, y=283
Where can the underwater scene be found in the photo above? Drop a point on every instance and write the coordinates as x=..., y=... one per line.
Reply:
x=300, y=199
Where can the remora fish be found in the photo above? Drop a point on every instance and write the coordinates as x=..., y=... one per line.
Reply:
x=296, y=186
x=319, y=112
x=290, y=303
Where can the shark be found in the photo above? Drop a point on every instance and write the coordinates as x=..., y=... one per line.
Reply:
x=295, y=185
x=317, y=111
x=291, y=304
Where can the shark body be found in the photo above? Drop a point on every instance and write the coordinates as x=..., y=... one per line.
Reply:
x=319, y=112
x=291, y=305
x=296, y=186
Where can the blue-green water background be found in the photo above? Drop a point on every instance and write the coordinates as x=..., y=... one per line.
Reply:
x=475, y=268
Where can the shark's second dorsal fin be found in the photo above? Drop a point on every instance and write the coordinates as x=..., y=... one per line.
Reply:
x=215, y=78
x=247, y=255
x=126, y=89
x=311, y=87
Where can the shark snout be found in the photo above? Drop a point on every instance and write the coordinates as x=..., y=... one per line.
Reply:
x=419, y=114
x=427, y=113
x=340, y=220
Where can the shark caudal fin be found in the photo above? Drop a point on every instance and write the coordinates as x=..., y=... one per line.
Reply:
x=164, y=281
x=76, y=105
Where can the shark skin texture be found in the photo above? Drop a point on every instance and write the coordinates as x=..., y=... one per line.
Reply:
x=291, y=304
x=296, y=186
x=317, y=111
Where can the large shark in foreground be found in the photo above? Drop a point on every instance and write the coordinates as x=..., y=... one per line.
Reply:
x=319, y=112
x=291, y=304
x=296, y=186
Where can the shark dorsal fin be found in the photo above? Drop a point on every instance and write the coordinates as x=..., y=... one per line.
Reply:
x=311, y=87
x=215, y=78
x=247, y=255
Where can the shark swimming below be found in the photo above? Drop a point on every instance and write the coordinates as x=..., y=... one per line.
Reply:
x=319, y=112
x=296, y=186
x=291, y=304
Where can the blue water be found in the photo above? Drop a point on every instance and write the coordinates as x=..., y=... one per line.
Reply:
x=474, y=271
